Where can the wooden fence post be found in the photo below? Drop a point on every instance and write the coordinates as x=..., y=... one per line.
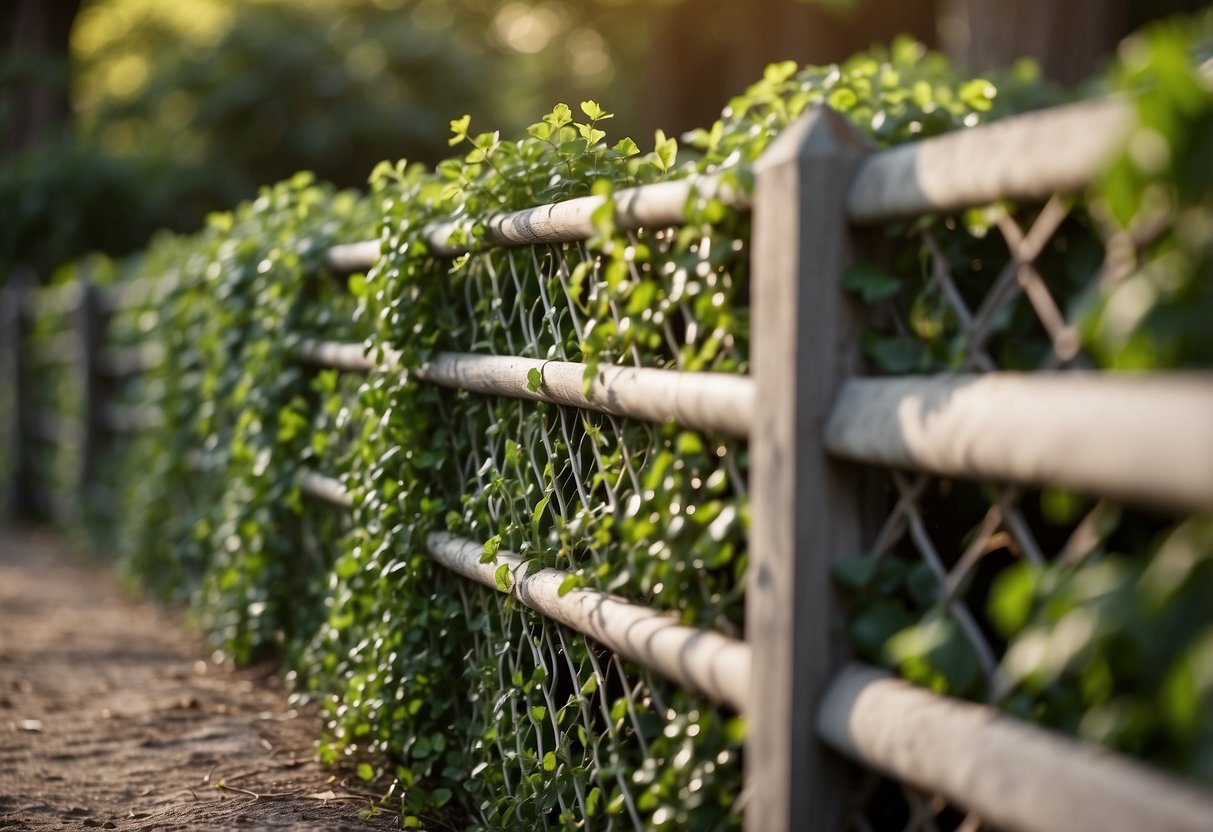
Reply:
x=806, y=508
x=92, y=323
x=22, y=504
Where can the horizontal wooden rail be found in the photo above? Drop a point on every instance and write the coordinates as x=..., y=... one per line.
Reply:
x=1142, y=438
x=53, y=301
x=1015, y=776
x=352, y=257
x=705, y=661
x=59, y=349
x=336, y=355
x=127, y=419
x=120, y=362
x=48, y=429
x=713, y=664
x=659, y=205
x=122, y=296
x=721, y=402
x=325, y=488
x=66, y=299
x=1028, y=157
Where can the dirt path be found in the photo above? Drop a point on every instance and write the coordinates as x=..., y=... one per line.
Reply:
x=110, y=717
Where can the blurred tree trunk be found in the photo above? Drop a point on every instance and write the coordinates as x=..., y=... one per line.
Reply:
x=1070, y=40
x=34, y=103
x=704, y=52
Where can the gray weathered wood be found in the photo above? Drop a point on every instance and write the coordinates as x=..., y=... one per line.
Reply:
x=53, y=301
x=1142, y=438
x=659, y=205
x=22, y=502
x=325, y=488
x=705, y=401
x=142, y=290
x=126, y=419
x=352, y=257
x=62, y=348
x=122, y=362
x=1028, y=157
x=806, y=507
x=336, y=355
x=705, y=661
x=1014, y=775
x=92, y=323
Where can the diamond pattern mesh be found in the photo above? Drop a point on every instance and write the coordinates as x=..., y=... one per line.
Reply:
x=653, y=513
x=1007, y=302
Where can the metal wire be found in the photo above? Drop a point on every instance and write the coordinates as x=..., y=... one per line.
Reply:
x=1022, y=287
x=542, y=688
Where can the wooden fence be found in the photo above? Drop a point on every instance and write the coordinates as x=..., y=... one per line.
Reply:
x=816, y=429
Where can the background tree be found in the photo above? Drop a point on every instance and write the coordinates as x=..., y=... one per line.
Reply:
x=33, y=71
x=182, y=108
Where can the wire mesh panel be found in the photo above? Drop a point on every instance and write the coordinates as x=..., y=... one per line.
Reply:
x=1022, y=596
x=652, y=513
x=560, y=731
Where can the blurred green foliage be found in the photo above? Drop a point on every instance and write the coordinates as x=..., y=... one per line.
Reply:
x=326, y=87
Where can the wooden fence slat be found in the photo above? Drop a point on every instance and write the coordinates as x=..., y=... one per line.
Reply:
x=1027, y=157
x=702, y=660
x=806, y=508
x=22, y=497
x=117, y=418
x=1014, y=775
x=352, y=257
x=705, y=401
x=721, y=402
x=142, y=290
x=659, y=205
x=122, y=362
x=336, y=355
x=92, y=325
x=325, y=488
x=1143, y=438
x=54, y=301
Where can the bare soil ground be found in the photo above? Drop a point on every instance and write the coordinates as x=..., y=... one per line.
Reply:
x=111, y=717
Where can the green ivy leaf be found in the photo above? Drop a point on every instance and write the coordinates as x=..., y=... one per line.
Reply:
x=593, y=111
x=503, y=579
x=459, y=130
x=626, y=147
x=534, y=379
x=570, y=583
x=591, y=134
x=666, y=150
x=870, y=282
x=537, y=514
x=854, y=573
x=491, y=547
